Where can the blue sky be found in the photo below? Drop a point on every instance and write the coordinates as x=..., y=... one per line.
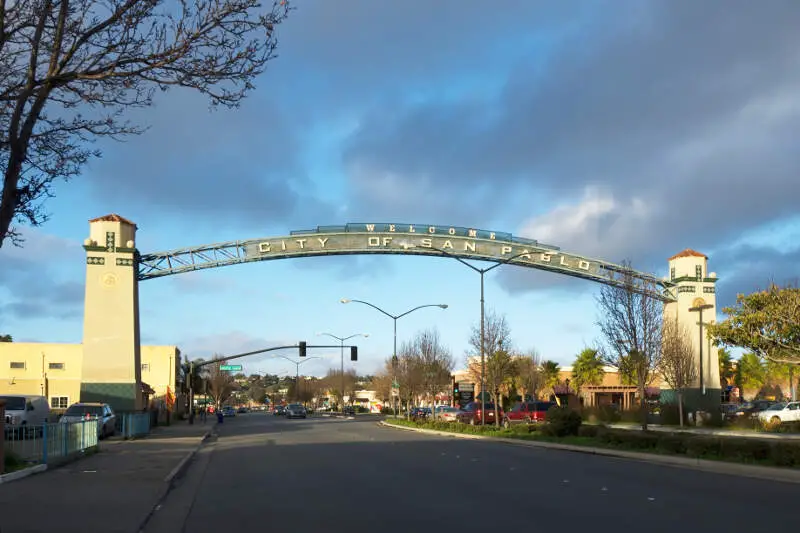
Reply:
x=616, y=129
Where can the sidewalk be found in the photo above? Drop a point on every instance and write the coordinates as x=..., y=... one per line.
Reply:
x=111, y=491
x=710, y=431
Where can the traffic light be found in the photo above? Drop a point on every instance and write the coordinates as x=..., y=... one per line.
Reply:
x=302, y=345
x=354, y=353
x=455, y=387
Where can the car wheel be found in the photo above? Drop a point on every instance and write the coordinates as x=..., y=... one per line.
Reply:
x=775, y=421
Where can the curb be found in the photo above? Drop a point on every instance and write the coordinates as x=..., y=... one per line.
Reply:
x=180, y=468
x=769, y=473
x=21, y=474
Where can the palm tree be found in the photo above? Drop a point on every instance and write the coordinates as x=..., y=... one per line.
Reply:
x=587, y=369
x=726, y=370
x=751, y=372
x=550, y=373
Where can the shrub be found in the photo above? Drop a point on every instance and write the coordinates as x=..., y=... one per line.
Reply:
x=670, y=415
x=785, y=454
x=588, y=431
x=607, y=414
x=12, y=461
x=562, y=421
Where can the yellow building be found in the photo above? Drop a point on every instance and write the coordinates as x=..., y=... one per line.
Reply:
x=56, y=371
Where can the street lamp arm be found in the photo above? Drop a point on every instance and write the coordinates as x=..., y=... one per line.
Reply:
x=419, y=307
x=482, y=270
x=374, y=307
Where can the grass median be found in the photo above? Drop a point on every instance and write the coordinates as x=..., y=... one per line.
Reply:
x=741, y=450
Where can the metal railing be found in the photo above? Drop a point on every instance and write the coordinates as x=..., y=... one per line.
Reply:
x=51, y=443
x=132, y=425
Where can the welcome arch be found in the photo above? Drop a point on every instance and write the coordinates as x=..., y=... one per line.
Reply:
x=115, y=267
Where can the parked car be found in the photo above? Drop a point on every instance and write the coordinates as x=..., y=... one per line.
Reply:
x=102, y=412
x=780, y=413
x=527, y=413
x=26, y=410
x=295, y=410
x=471, y=414
x=228, y=411
x=419, y=413
x=242, y=410
x=349, y=410
x=445, y=413
x=279, y=410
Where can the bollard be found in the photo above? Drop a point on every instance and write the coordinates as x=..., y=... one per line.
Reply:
x=2, y=436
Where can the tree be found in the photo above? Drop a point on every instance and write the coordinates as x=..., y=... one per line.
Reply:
x=677, y=361
x=551, y=376
x=779, y=372
x=727, y=372
x=6, y=338
x=69, y=72
x=766, y=323
x=257, y=393
x=220, y=383
x=435, y=363
x=498, y=361
x=631, y=326
x=587, y=369
x=751, y=372
x=333, y=381
x=529, y=370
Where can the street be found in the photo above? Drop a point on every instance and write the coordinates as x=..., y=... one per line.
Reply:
x=265, y=473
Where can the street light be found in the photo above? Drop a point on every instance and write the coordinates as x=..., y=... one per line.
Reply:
x=341, y=342
x=394, y=318
x=699, y=309
x=482, y=271
x=297, y=372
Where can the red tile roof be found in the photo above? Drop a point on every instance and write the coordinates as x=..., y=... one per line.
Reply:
x=687, y=253
x=113, y=218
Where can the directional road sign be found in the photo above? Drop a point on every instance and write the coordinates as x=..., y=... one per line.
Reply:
x=231, y=368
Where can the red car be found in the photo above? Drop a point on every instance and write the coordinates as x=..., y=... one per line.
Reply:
x=527, y=413
x=471, y=414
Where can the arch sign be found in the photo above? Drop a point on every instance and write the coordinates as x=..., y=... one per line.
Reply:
x=389, y=238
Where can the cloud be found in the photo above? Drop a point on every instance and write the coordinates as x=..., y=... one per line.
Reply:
x=38, y=284
x=675, y=129
x=756, y=267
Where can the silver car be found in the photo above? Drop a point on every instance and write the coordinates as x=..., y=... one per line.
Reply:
x=445, y=413
x=295, y=410
x=101, y=412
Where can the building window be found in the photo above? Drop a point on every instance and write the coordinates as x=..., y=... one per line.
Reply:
x=55, y=366
x=672, y=273
x=709, y=290
x=686, y=288
x=59, y=402
x=145, y=367
x=18, y=365
x=698, y=271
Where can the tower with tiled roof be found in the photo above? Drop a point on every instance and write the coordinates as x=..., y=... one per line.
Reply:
x=111, y=354
x=695, y=293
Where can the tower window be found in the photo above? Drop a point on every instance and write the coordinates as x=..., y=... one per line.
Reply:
x=698, y=271
x=672, y=273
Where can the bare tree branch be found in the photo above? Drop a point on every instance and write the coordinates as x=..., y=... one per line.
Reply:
x=630, y=323
x=70, y=70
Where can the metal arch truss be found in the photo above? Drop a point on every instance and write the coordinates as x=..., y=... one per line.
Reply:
x=404, y=239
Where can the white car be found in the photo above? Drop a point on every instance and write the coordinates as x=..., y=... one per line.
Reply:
x=780, y=413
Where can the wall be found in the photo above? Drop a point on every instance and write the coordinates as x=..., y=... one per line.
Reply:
x=42, y=374
x=160, y=368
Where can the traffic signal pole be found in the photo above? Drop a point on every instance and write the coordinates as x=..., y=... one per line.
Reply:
x=301, y=346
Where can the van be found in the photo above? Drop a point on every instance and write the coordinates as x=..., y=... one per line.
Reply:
x=24, y=410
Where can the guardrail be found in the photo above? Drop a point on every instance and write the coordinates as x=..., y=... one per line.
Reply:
x=51, y=443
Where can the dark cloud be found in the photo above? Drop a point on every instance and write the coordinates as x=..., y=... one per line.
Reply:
x=649, y=130
x=28, y=275
x=756, y=268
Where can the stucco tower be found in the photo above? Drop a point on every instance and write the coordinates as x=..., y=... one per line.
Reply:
x=695, y=290
x=111, y=353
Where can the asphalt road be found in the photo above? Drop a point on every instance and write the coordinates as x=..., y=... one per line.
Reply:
x=265, y=473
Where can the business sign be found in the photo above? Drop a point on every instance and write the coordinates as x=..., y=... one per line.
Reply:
x=231, y=368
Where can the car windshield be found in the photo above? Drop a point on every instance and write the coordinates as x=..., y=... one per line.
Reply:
x=295, y=406
x=83, y=410
x=776, y=407
x=14, y=403
x=448, y=409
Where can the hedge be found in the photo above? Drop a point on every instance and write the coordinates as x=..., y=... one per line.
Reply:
x=563, y=428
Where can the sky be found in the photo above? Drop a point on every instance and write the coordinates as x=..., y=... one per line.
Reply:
x=619, y=129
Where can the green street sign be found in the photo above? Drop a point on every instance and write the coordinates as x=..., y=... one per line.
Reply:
x=231, y=368
x=395, y=385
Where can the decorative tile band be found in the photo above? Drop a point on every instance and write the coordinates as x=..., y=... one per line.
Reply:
x=95, y=260
x=121, y=261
